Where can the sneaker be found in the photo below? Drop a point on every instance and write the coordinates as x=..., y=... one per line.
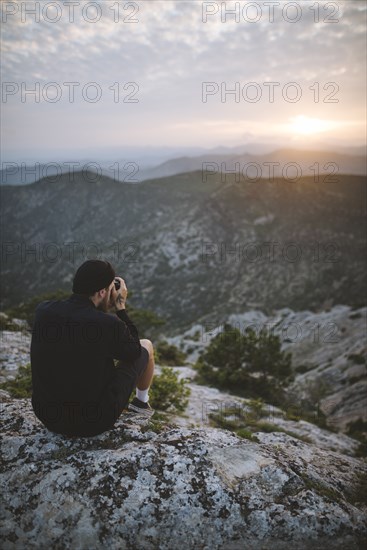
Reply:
x=138, y=406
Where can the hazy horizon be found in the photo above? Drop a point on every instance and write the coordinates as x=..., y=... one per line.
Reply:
x=157, y=154
x=170, y=73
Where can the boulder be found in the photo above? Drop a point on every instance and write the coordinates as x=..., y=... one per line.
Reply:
x=150, y=485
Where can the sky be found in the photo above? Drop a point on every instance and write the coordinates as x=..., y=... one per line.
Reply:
x=115, y=74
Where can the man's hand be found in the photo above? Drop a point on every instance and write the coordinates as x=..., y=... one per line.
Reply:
x=118, y=297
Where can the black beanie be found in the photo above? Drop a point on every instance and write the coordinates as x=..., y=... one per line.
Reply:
x=92, y=276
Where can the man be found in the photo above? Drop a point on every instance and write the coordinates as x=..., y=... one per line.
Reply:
x=77, y=389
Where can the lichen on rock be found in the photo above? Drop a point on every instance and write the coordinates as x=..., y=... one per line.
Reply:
x=133, y=487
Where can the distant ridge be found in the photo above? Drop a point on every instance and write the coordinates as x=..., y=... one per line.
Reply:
x=222, y=158
x=344, y=164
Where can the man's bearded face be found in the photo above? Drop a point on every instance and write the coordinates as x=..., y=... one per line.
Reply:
x=105, y=303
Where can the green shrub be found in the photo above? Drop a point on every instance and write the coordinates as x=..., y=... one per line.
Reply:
x=303, y=438
x=355, y=315
x=156, y=423
x=359, y=493
x=357, y=358
x=257, y=410
x=301, y=369
x=147, y=322
x=247, y=434
x=293, y=413
x=249, y=365
x=267, y=427
x=354, y=379
x=21, y=386
x=246, y=426
x=169, y=355
x=196, y=336
x=307, y=408
x=168, y=393
x=7, y=324
x=358, y=430
x=219, y=420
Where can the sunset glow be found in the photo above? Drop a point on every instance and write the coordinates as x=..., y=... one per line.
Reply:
x=306, y=126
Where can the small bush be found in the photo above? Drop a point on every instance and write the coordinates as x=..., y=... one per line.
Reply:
x=247, y=426
x=358, y=430
x=354, y=379
x=156, y=423
x=257, y=410
x=357, y=358
x=247, y=434
x=359, y=494
x=301, y=369
x=306, y=410
x=249, y=365
x=267, y=427
x=146, y=321
x=169, y=355
x=303, y=438
x=8, y=324
x=21, y=386
x=293, y=414
x=355, y=316
x=168, y=393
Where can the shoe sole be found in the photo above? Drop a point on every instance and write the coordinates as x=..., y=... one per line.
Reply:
x=145, y=412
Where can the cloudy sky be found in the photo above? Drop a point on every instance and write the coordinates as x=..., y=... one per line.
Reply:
x=158, y=73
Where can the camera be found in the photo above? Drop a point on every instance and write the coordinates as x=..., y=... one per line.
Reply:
x=117, y=284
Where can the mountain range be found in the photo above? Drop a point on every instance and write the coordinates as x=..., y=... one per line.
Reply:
x=258, y=162
x=191, y=246
x=278, y=163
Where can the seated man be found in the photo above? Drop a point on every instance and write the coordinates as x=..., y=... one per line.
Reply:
x=77, y=389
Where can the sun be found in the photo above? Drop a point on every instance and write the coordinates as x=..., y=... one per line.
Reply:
x=306, y=126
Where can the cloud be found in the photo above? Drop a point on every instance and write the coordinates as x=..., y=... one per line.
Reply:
x=170, y=52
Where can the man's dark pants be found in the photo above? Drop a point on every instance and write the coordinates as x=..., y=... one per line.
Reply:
x=96, y=418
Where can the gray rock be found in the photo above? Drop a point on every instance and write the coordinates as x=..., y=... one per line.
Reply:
x=179, y=488
x=14, y=352
x=204, y=400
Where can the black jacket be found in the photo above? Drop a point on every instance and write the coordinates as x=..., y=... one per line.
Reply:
x=72, y=351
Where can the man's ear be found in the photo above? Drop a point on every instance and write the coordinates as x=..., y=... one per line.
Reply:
x=101, y=292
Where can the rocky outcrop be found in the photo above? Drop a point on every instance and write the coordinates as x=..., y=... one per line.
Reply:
x=14, y=351
x=149, y=486
x=329, y=355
